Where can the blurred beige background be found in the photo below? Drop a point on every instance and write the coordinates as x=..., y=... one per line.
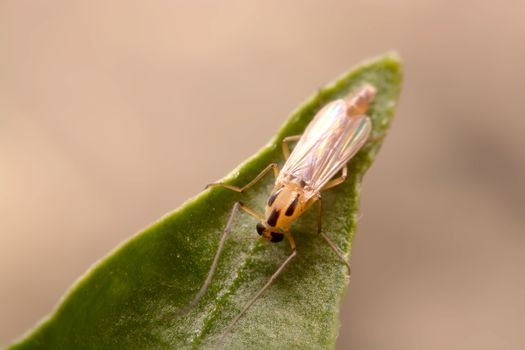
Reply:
x=113, y=113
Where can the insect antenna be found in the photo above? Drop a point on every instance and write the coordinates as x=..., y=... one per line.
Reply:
x=250, y=238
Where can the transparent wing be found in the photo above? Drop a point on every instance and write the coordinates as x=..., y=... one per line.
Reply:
x=328, y=143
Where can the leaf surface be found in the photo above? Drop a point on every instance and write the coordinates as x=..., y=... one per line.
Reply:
x=127, y=299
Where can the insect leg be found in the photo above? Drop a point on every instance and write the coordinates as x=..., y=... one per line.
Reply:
x=250, y=211
x=258, y=294
x=225, y=234
x=286, y=148
x=337, y=181
x=272, y=166
x=325, y=237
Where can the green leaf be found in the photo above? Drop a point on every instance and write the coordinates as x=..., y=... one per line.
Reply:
x=125, y=301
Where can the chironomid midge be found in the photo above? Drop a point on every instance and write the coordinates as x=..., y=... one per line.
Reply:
x=332, y=138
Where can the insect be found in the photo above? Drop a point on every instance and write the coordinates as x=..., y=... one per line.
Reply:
x=332, y=138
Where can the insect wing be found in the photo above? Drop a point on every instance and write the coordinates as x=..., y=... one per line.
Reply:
x=329, y=142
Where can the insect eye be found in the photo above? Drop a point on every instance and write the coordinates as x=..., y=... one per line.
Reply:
x=276, y=237
x=260, y=228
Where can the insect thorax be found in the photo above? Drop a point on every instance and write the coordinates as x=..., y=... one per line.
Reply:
x=289, y=199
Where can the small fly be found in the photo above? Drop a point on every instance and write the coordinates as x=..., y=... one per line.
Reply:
x=332, y=138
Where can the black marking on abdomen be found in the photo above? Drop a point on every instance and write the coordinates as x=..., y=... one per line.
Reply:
x=291, y=208
x=274, y=216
